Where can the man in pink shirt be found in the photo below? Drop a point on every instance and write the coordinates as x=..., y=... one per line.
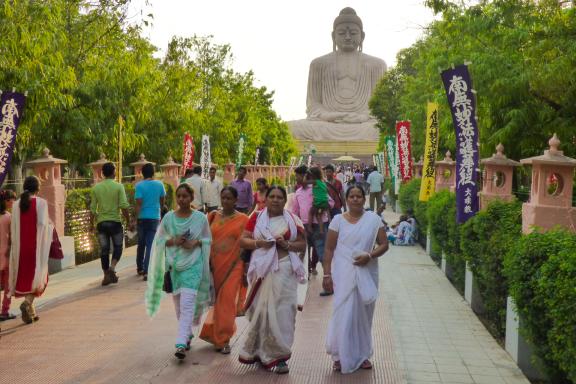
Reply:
x=301, y=204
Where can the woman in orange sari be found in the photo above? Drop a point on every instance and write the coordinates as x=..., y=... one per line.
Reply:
x=227, y=226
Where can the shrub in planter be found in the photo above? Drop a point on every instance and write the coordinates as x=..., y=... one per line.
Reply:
x=485, y=240
x=541, y=274
x=441, y=215
x=408, y=195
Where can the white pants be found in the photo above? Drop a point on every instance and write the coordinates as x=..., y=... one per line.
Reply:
x=184, y=303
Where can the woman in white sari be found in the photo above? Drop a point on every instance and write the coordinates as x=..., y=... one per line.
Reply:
x=277, y=237
x=351, y=269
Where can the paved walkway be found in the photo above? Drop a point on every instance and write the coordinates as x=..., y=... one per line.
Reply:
x=423, y=333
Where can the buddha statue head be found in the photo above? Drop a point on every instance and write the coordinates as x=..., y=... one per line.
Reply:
x=347, y=32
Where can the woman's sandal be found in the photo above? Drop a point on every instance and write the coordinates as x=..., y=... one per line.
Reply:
x=366, y=365
x=225, y=350
x=336, y=367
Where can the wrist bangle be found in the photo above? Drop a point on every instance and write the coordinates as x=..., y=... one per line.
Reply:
x=255, y=244
x=327, y=275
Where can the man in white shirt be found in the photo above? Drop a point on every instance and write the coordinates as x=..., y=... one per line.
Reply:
x=213, y=189
x=198, y=184
x=376, y=182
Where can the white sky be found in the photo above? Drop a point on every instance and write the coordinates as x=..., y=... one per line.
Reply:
x=278, y=39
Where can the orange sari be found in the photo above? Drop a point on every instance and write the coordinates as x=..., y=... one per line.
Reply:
x=227, y=270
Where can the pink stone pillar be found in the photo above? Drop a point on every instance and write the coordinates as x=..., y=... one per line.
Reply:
x=497, y=180
x=138, y=167
x=418, y=168
x=96, y=166
x=228, y=173
x=551, y=192
x=171, y=173
x=47, y=169
x=445, y=173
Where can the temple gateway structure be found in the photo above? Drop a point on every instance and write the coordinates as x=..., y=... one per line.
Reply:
x=340, y=85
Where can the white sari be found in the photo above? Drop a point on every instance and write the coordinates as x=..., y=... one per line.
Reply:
x=272, y=314
x=349, y=339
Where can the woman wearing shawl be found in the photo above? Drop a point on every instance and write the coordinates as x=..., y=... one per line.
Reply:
x=351, y=269
x=31, y=233
x=226, y=226
x=181, y=247
x=276, y=236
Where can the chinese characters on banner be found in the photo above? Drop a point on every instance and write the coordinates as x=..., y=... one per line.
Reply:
x=380, y=156
x=205, y=158
x=187, y=153
x=458, y=86
x=404, y=150
x=11, y=108
x=240, y=153
x=429, y=168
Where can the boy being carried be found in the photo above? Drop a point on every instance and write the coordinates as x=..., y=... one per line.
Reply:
x=320, y=195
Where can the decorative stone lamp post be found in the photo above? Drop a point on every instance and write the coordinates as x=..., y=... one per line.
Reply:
x=138, y=167
x=170, y=172
x=445, y=173
x=47, y=169
x=551, y=192
x=497, y=182
x=97, y=175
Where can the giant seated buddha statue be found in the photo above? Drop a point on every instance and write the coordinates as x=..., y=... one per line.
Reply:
x=339, y=87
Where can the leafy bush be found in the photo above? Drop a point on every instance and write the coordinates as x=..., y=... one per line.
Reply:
x=485, y=240
x=408, y=195
x=445, y=232
x=541, y=271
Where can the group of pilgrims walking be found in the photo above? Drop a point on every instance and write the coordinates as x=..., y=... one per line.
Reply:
x=222, y=260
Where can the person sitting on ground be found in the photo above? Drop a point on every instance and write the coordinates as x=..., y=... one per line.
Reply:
x=403, y=232
x=320, y=205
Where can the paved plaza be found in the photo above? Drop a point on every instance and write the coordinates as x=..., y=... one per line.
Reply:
x=424, y=332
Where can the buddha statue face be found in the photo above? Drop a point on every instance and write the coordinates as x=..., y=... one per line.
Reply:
x=348, y=36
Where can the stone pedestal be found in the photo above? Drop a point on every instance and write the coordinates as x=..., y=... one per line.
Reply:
x=497, y=180
x=428, y=243
x=47, y=169
x=96, y=166
x=138, y=167
x=445, y=173
x=69, y=259
x=418, y=168
x=171, y=173
x=471, y=292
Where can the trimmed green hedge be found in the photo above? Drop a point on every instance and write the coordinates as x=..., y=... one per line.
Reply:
x=485, y=239
x=541, y=270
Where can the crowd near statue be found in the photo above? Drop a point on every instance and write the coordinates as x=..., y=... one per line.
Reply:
x=340, y=85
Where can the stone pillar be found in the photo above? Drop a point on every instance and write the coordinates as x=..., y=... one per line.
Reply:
x=418, y=168
x=497, y=180
x=445, y=173
x=471, y=292
x=96, y=166
x=47, y=169
x=138, y=167
x=550, y=201
x=171, y=173
x=229, y=173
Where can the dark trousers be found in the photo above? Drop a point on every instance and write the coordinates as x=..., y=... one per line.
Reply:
x=375, y=200
x=316, y=240
x=210, y=209
x=146, y=232
x=110, y=230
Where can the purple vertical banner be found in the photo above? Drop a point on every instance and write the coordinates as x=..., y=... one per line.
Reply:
x=458, y=87
x=11, y=108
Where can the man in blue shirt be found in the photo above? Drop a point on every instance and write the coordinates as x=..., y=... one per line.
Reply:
x=149, y=197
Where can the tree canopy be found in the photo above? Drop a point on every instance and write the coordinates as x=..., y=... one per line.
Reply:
x=85, y=64
x=522, y=57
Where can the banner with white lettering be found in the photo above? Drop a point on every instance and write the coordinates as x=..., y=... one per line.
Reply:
x=240, y=152
x=393, y=160
x=429, y=167
x=187, y=153
x=458, y=86
x=404, y=150
x=11, y=107
x=257, y=156
x=205, y=158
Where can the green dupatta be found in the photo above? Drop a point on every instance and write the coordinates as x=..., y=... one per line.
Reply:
x=179, y=258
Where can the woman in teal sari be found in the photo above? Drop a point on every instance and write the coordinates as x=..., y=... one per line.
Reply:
x=182, y=248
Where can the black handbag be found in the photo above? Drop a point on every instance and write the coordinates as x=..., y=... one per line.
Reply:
x=167, y=286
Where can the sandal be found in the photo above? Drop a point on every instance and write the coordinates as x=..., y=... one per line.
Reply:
x=180, y=352
x=6, y=316
x=281, y=368
x=337, y=367
x=225, y=350
x=25, y=309
x=366, y=365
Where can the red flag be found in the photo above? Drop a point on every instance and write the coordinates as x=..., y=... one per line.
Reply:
x=404, y=149
x=187, y=153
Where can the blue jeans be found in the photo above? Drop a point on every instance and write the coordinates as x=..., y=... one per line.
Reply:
x=317, y=241
x=146, y=232
x=110, y=230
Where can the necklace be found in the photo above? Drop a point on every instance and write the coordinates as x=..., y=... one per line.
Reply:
x=227, y=216
x=353, y=219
